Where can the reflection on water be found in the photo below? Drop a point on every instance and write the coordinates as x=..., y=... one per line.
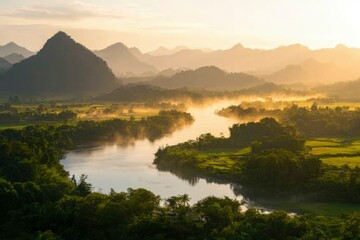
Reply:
x=122, y=167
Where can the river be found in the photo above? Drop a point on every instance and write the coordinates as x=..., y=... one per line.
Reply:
x=131, y=166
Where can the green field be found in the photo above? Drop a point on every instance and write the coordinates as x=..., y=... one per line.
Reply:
x=336, y=151
x=328, y=209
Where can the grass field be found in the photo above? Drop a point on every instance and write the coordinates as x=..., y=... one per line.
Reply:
x=336, y=151
x=340, y=161
x=328, y=209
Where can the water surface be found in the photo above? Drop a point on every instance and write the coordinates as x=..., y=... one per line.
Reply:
x=121, y=167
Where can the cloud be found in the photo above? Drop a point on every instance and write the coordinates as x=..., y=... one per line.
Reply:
x=65, y=11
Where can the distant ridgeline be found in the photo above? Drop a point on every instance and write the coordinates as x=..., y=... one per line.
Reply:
x=62, y=66
x=129, y=93
x=210, y=78
x=148, y=93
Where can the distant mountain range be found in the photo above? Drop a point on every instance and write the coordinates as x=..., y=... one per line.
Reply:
x=14, y=48
x=124, y=61
x=211, y=78
x=161, y=51
x=62, y=66
x=284, y=62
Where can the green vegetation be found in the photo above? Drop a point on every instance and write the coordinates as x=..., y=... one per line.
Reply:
x=336, y=151
x=268, y=160
x=38, y=200
x=19, y=115
x=311, y=122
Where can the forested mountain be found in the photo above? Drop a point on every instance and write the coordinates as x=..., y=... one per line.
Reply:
x=4, y=65
x=123, y=61
x=14, y=58
x=62, y=66
x=207, y=78
x=146, y=93
x=14, y=48
x=350, y=89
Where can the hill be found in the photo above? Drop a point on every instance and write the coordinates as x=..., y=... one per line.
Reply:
x=4, y=65
x=14, y=48
x=62, y=66
x=348, y=89
x=122, y=60
x=211, y=78
x=14, y=58
x=146, y=93
x=310, y=72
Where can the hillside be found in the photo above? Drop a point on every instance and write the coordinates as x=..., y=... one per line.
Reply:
x=122, y=60
x=211, y=78
x=146, y=93
x=310, y=72
x=14, y=48
x=62, y=66
x=14, y=58
x=348, y=89
x=4, y=65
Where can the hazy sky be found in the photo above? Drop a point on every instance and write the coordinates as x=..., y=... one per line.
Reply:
x=215, y=24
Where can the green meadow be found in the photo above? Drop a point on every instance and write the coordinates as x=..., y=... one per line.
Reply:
x=336, y=151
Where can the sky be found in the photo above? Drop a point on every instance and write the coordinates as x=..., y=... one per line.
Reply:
x=216, y=24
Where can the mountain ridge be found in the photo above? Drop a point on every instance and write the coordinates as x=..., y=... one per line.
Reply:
x=61, y=66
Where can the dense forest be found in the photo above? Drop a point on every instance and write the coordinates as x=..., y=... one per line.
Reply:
x=40, y=201
x=313, y=121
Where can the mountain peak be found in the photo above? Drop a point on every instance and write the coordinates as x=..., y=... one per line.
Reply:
x=118, y=45
x=238, y=46
x=61, y=66
x=60, y=36
x=341, y=46
x=11, y=44
x=59, y=41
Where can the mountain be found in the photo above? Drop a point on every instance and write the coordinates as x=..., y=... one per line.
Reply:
x=14, y=48
x=311, y=72
x=122, y=60
x=348, y=89
x=4, y=65
x=210, y=78
x=236, y=59
x=265, y=61
x=14, y=58
x=140, y=92
x=268, y=89
x=161, y=51
x=62, y=66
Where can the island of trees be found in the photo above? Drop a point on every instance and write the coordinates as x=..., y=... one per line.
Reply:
x=267, y=159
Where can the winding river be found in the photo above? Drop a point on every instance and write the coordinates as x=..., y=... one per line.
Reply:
x=121, y=167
